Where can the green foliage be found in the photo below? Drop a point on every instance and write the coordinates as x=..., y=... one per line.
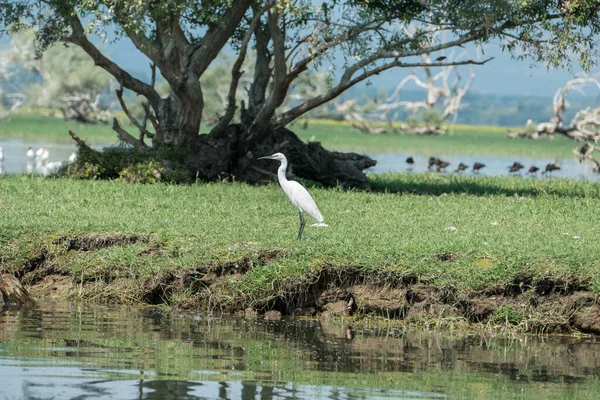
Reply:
x=432, y=117
x=507, y=315
x=51, y=80
x=133, y=165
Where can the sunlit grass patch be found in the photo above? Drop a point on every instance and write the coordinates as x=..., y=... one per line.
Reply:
x=455, y=232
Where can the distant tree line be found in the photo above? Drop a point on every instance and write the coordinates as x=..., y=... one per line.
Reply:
x=481, y=109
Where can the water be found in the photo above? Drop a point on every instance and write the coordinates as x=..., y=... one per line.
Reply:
x=495, y=165
x=67, y=351
x=16, y=161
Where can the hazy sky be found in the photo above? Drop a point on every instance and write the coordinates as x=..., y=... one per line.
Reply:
x=502, y=75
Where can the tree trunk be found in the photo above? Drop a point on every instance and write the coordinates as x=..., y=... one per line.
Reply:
x=180, y=116
x=233, y=155
x=12, y=291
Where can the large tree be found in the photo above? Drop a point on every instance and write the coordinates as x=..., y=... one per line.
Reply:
x=289, y=37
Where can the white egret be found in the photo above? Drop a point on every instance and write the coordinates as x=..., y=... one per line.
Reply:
x=45, y=156
x=39, y=152
x=1, y=155
x=297, y=194
x=30, y=153
x=73, y=157
x=52, y=167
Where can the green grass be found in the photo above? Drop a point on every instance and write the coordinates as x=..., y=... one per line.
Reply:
x=496, y=228
x=480, y=140
x=40, y=129
x=333, y=135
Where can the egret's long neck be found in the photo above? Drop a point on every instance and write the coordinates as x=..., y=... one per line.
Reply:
x=281, y=171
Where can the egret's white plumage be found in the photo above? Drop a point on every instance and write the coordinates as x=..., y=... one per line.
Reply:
x=297, y=194
x=52, y=167
x=30, y=153
x=45, y=155
x=73, y=157
x=1, y=154
x=39, y=152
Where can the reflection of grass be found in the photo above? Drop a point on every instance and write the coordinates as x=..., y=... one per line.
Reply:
x=170, y=346
x=334, y=135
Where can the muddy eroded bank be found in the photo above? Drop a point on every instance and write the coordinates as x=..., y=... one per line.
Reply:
x=528, y=303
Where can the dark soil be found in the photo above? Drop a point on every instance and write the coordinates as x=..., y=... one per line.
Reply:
x=527, y=303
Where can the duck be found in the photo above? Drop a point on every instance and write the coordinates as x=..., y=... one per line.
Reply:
x=515, y=167
x=461, y=167
x=551, y=167
x=410, y=161
x=432, y=162
x=477, y=166
x=440, y=165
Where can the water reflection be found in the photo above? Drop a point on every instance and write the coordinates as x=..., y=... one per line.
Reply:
x=67, y=351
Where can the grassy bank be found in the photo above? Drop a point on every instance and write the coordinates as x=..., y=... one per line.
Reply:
x=233, y=246
x=481, y=140
x=40, y=130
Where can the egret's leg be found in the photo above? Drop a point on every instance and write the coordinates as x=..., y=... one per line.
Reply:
x=301, y=225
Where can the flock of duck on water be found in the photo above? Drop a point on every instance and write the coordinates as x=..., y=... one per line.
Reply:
x=441, y=165
x=37, y=161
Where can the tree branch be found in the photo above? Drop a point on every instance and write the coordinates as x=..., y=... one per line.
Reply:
x=124, y=136
x=147, y=112
x=133, y=120
x=281, y=82
x=344, y=84
x=198, y=56
x=79, y=38
x=400, y=54
x=236, y=72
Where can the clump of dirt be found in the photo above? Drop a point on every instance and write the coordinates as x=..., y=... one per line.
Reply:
x=97, y=241
x=53, y=287
x=446, y=257
x=527, y=302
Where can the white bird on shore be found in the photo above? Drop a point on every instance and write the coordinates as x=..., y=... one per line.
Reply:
x=297, y=194
x=45, y=156
x=52, y=167
x=39, y=152
x=1, y=155
x=30, y=153
x=72, y=157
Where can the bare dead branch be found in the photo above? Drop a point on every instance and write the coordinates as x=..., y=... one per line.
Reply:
x=134, y=121
x=146, y=106
x=124, y=136
x=585, y=125
x=80, y=141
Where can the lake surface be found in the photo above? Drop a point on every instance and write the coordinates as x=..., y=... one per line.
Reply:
x=80, y=351
x=494, y=165
x=16, y=161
